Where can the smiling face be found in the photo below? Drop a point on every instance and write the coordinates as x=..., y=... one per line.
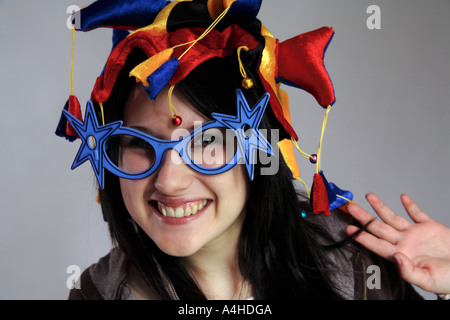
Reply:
x=181, y=210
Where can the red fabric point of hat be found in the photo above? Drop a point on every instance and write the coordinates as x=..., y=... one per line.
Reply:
x=300, y=63
x=75, y=110
x=277, y=108
x=319, y=196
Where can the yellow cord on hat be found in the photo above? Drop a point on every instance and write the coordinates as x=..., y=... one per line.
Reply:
x=173, y=110
x=208, y=30
x=103, y=115
x=306, y=156
x=247, y=83
x=319, y=150
x=241, y=67
x=71, y=74
x=71, y=65
x=303, y=153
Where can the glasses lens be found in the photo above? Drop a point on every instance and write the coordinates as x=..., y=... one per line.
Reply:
x=130, y=154
x=213, y=148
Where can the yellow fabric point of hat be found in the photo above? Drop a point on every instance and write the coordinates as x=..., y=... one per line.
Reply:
x=287, y=151
x=286, y=146
x=215, y=7
x=141, y=71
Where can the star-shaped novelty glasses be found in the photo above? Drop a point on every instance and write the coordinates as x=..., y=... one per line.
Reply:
x=245, y=126
x=93, y=138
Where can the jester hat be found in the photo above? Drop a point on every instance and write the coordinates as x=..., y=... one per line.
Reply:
x=178, y=36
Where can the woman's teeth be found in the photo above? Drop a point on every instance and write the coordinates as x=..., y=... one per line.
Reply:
x=185, y=210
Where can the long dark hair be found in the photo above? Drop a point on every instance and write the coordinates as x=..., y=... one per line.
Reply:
x=279, y=252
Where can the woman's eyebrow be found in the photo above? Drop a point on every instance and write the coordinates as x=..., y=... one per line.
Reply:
x=146, y=131
x=149, y=132
x=142, y=129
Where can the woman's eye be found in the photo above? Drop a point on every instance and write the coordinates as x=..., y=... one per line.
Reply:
x=135, y=143
x=208, y=139
x=201, y=141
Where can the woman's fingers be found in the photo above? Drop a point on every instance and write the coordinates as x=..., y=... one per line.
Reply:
x=415, y=213
x=386, y=214
x=376, y=227
x=379, y=246
x=420, y=249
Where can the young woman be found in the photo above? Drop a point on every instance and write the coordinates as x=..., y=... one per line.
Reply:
x=191, y=227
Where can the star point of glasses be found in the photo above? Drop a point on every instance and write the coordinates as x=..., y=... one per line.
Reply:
x=246, y=125
x=93, y=137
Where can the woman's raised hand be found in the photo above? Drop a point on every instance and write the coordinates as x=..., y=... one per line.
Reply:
x=420, y=248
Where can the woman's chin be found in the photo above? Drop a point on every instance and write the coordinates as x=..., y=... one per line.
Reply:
x=177, y=250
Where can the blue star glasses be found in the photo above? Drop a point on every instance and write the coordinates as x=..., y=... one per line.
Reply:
x=212, y=148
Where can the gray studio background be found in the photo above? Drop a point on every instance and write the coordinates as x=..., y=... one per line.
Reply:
x=387, y=133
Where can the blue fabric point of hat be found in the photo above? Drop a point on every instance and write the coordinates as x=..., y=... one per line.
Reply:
x=347, y=195
x=161, y=77
x=118, y=35
x=245, y=10
x=62, y=125
x=126, y=14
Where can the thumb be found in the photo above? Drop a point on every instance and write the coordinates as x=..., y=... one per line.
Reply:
x=409, y=272
x=405, y=267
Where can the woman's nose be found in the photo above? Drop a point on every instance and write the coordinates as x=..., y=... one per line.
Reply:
x=173, y=176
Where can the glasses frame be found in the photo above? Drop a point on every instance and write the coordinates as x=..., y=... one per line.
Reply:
x=161, y=147
x=94, y=137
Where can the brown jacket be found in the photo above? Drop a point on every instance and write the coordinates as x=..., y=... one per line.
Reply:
x=360, y=274
x=107, y=280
